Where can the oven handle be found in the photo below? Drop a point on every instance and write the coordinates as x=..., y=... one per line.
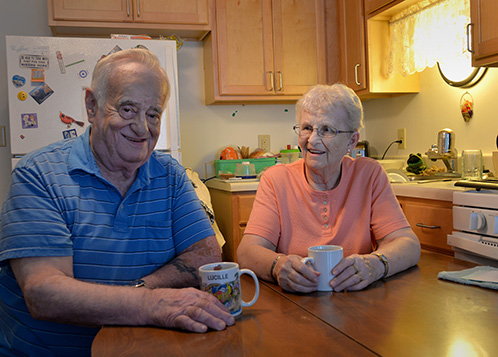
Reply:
x=421, y=225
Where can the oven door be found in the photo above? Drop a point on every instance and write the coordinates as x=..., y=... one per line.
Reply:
x=475, y=248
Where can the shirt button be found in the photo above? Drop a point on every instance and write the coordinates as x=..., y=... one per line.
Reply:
x=325, y=209
x=326, y=226
x=325, y=218
x=325, y=202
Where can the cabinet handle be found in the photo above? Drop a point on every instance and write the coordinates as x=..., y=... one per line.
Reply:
x=138, y=8
x=356, y=74
x=271, y=80
x=128, y=8
x=468, y=38
x=280, y=81
x=421, y=225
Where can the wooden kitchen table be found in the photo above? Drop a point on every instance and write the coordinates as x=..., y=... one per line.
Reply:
x=413, y=313
x=273, y=326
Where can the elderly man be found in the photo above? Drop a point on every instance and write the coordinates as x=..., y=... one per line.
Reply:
x=100, y=229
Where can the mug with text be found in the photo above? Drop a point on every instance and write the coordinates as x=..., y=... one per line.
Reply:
x=223, y=281
x=324, y=258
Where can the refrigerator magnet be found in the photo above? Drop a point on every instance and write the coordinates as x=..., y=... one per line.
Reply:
x=82, y=74
x=18, y=81
x=38, y=75
x=71, y=133
x=66, y=119
x=22, y=95
x=33, y=61
x=62, y=68
x=41, y=93
x=74, y=63
x=114, y=50
x=29, y=121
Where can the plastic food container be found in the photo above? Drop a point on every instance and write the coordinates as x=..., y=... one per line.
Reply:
x=245, y=170
x=288, y=156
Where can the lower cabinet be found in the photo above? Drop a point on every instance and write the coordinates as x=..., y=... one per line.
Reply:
x=431, y=220
x=231, y=210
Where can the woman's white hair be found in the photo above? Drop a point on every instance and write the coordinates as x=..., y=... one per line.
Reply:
x=105, y=65
x=326, y=99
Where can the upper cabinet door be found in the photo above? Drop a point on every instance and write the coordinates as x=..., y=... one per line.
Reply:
x=244, y=47
x=171, y=11
x=352, y=44
x=299, y=45
x=96, y=10
x=188, y=19
x=484, y=32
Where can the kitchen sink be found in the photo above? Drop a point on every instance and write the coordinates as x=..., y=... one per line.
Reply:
x=437, y=177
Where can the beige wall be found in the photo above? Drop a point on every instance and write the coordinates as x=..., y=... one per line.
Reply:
x=206, y=129
x=437, y=106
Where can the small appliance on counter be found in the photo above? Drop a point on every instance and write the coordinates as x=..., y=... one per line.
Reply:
x=361, y=149
x=445, y=150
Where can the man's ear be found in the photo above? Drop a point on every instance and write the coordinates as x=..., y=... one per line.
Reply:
x=91, y=104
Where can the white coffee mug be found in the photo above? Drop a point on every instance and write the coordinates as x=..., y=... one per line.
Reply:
x=223, y=281
x=324, y=258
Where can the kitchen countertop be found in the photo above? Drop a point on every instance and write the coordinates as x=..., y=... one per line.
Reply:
x=233, y=185
x=442, y=190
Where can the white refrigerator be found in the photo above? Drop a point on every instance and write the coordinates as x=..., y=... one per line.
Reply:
x=47, y=80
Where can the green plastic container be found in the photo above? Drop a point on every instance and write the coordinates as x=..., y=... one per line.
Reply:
x=228, y=166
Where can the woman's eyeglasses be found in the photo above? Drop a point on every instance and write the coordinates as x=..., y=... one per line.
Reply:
x=322, y=131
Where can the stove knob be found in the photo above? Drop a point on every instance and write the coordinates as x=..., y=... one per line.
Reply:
x=477, y=221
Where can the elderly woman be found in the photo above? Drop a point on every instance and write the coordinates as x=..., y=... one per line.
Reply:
x=327, y=198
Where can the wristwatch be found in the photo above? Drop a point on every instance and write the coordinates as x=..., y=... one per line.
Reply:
x=138, y=283
x=384, y=261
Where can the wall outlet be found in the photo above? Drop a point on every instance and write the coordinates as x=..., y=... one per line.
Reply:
x=264, y=142
x=402, y=137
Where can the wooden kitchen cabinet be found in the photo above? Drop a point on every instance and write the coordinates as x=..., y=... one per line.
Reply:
x=231, y=210
x=264, y=50
x=187, y=18
x=484, y=33
x=431, y=220
x=364, y=45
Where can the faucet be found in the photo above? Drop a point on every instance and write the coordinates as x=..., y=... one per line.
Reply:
x=445, y=150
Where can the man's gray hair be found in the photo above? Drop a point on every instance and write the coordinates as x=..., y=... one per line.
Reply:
x=105, y=65
x=325, y=99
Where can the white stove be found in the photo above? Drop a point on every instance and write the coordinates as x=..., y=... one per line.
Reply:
x=475, y=224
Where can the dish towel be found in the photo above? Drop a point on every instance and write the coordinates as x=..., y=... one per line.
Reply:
x=483, y=276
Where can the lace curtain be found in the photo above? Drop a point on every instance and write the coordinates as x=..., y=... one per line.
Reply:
x=428, y=32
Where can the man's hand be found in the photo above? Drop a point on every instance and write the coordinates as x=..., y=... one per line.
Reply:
x=189, y=309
